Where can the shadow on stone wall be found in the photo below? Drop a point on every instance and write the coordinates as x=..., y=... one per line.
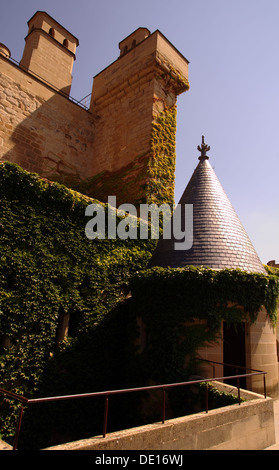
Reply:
x=41, y=130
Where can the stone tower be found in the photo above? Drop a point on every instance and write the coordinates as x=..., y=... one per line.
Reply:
x=134, y=99
x=49, y=51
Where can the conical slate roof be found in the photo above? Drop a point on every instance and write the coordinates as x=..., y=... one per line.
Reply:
x=219, y=239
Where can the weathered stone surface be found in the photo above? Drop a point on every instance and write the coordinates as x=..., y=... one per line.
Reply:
x=109, y=140
x=249, y=426
x=34, y=123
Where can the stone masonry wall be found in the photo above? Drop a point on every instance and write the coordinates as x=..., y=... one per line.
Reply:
x=249, y=426
x=41, y=130
x=129, y=94
x=123, y=146
x=261, y=355
x=57, y=72
x=49, y=51
x=128, y=97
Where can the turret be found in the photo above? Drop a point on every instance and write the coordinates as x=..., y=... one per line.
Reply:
x=49, y=51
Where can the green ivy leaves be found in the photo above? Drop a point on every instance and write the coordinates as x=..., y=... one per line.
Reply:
x=48, y=267
x=203, y=293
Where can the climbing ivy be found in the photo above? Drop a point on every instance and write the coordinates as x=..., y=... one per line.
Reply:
x=161, y=170
x=182, y=309
x=272, y=270
x=127, y=184
x=149, y=178
x=205, y=293
x=49, y=268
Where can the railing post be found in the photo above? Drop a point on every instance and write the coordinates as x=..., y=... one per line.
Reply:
x=206, y=398
x=264, y=385
x=105, y=416
x=238, y=389
x=164, y=406
x=18, y=428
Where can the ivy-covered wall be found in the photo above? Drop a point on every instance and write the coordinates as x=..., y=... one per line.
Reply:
x=161, y=168
x=148, y=179
x=183, y=308
x=128, y=184
x=49, y=268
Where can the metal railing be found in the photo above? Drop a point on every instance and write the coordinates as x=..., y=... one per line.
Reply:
x=236, y=376
x=81, y=103
x=164, y=387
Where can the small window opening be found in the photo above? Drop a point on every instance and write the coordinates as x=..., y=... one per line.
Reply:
x=134, y=43
x=51, y=32
x=66, y=43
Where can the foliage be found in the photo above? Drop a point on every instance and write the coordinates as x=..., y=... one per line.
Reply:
x=49, y=268
x=272, y=270
x=149, y=178
x=127, y=184
x=218, y=398
x=103, y=358
x=187, y=305
x=162, y=162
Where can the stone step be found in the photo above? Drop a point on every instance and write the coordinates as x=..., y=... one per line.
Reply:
x=5, y=446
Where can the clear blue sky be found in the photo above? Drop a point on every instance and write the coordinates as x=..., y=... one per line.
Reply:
x=233, y=49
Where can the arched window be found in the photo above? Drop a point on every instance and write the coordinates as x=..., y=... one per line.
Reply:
x=66, y=43
x=51, y=32
x=134, y=43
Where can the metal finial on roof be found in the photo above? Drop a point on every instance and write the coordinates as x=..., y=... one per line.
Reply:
x=203, y=148
x=218, y=238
